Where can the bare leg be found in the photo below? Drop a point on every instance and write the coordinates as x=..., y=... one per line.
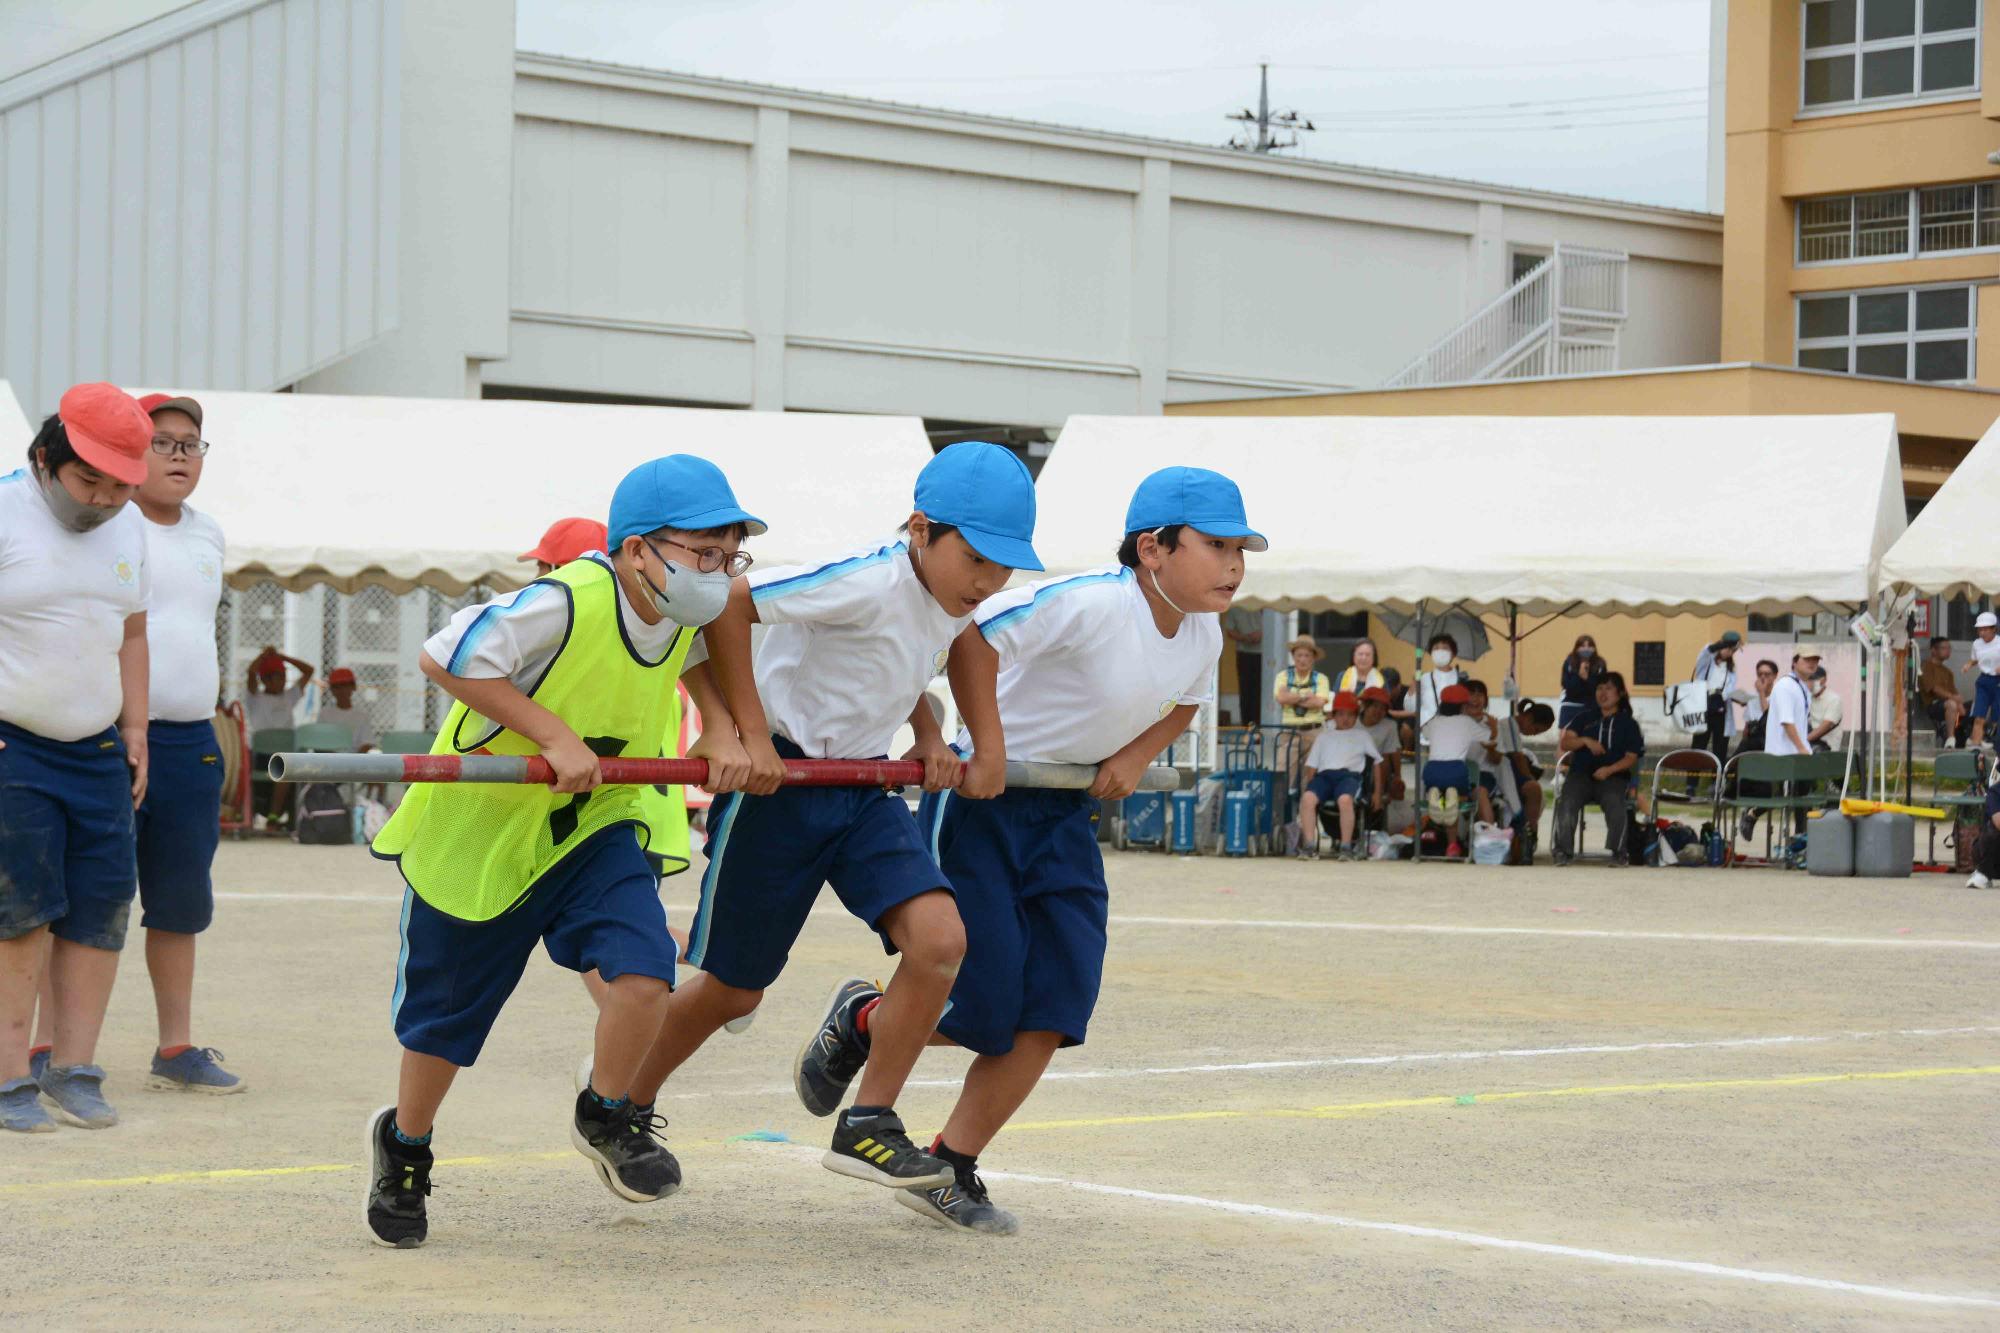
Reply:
x=21, y=963
x=1485, y=805
x=170, y=961
x=995, y=1088
x=628, y=1021
x=927, y=931
x=44, y=1003
x=83, y=980
x=420, y=1090
x=693, y=1013
x=1308, y=822
x=594, y=986
x=1346, y=820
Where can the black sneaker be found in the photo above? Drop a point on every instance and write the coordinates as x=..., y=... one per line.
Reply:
x=622, y=1143
x=834, y=1053
x=875, y=1148
x=399, y=1176
x=962, y=1205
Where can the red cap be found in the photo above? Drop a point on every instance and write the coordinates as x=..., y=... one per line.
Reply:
x=155, y=403
x=1455, y=694
x=108, y=429
x=569, y=539
x=1345, y=702
x=1375, y=694
x=269, y=664
x=340, y=676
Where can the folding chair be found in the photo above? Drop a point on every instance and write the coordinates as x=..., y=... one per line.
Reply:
x=1792, y=782
x=406, y=742
x=1694, y=765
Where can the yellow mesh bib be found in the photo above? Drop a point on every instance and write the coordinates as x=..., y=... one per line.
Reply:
x=475, y=850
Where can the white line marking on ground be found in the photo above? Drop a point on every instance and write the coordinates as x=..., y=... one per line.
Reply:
x=1689, y=1266
x=684, y=911
x=1413, y=1057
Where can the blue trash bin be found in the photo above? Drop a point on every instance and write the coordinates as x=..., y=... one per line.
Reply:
x=1145, y=815
x=1183, y=822
x=1236, y=811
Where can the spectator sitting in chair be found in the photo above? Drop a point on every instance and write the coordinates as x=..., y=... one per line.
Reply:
x=340, y=684
x=1453, y=738
x=1385, y=782
x=1603, y=749
x=269, y=706
x=1530, y=719
x=1987, y=869
x=1939, y=689
x=1825, y=714
x=1487, y=752
x=1336, y=771
x=1362, y=671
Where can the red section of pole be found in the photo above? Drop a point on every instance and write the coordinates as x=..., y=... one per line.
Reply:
x=685, y=772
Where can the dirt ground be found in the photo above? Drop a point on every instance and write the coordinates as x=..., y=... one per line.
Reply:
x=1378, y=1096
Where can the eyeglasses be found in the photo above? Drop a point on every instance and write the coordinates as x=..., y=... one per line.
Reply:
x=708, y=559
x=168, y=445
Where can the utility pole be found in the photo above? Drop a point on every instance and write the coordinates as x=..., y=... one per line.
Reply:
x=1286, y=123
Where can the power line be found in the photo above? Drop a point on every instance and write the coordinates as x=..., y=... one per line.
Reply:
x=1473, y=128
x=1531, y=102
x=1364, y=119
x=1500, y=64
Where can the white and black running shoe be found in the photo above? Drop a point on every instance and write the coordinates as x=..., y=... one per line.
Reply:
x=875, y=1148
x=835, y=1052
x=399, y=1177
x=622, y=1142
x=962, y=1205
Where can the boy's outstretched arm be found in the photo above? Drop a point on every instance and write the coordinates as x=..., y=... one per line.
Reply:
x=728, y=761
x=497, y=700
x=974, y=671
x=728, y=638
x=1118, y=776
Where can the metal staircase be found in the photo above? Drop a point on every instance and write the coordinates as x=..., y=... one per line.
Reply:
x=1561, y=318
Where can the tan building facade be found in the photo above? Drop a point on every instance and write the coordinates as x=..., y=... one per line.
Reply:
x=1861, y=267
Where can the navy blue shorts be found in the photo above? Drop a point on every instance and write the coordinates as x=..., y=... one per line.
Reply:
x=768, y=856
x=66, y=851
x=1986, y=697
x=1030, y=883
x=598, y=908
x=179, y=825
x=1330, y=784
x=1442, y=773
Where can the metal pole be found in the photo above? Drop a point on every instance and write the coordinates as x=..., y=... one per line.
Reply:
x=1417, y=749
x=534, y=770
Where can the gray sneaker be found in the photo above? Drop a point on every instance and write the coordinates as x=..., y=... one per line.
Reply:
x=38, y=1063
x=196, y=1069
x=21, y=1108
x=76, y=1091
x=962, y=1205
x=835, y=1052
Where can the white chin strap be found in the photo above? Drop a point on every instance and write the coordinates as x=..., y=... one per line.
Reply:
x=1163, y=592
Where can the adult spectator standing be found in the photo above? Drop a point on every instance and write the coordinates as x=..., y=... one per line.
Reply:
x=1604, y=749
x=1245, y=629
x=1938, y=688
x=1825, y=714
x=1304, y=696
x=1444, y=673
x=178, y=824
x=1581, y=671
x=341, y=685
x=1986, y=686
x=1715, y=669
x=272, y=705
x=74, y=584
x=1362, y=671
x=1788, y=721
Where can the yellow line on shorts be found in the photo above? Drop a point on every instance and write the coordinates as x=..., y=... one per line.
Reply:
x=1475, y=1099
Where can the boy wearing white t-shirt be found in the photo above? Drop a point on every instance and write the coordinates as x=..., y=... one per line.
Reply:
x=1336, y=770
x=1107, y=668
x=1986, y=690
x=1455, y=743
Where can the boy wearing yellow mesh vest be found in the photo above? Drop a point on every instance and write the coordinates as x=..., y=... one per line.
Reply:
x=579, y=665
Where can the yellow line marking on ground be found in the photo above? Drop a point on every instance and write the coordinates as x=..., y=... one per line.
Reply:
x=1339, y=1110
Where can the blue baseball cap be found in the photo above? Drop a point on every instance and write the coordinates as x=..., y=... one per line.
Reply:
x=678, y=491
x=1205, y=501
x=985, y=492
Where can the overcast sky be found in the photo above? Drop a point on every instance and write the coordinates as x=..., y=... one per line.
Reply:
x=1601, y=97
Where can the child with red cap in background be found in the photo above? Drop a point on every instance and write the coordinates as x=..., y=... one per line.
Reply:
x=1452, y=739
x=74, y=585
x=1337, y=768
x=269, y=705
x=340, y=685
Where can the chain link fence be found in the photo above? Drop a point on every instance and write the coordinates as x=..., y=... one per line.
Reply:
x=373, y=632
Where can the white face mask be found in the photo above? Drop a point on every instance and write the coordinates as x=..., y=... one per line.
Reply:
x=1441, y=657
x=1586, y=652
x=691, y=598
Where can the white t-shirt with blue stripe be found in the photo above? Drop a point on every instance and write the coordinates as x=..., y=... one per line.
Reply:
x=1083, y=668
x=849, y=648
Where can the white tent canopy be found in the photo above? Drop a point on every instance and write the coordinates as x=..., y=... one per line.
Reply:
x=15, y=432
x=1947, y=550
x=444, y=493
x=1620, y=514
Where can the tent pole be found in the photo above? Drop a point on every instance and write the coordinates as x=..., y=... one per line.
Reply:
x=1417, y=750
x=1910, y=701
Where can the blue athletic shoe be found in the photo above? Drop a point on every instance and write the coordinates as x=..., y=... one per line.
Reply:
x=21, y=1107
x=38, y=1063
x=75, y=1089
x=196, y=1069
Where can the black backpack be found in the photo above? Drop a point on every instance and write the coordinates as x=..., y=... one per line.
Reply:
x=323, y=816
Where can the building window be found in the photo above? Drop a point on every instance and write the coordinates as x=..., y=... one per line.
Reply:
x=1899, y=224
x=1900, y=333
x=1861, y=51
